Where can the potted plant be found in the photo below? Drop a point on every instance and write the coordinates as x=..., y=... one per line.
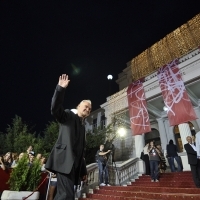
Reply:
x=24, y=179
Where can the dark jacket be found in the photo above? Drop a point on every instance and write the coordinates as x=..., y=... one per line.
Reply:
x=70, y=144
x=172, y=150
x=102, y=159
x=191, y=153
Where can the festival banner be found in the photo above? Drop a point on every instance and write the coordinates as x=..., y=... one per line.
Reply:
x=179, y=107
x=139, y=116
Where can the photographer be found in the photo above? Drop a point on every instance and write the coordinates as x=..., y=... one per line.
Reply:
x=102, y=165
x=110, y=146
x=154, y=160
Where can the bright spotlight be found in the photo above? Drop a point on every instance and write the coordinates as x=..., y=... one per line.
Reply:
x=165, y=108
x=121, y=131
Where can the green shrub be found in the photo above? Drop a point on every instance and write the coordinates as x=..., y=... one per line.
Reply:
x=24, y=177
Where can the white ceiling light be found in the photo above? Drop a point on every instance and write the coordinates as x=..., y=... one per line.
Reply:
x=165, y=108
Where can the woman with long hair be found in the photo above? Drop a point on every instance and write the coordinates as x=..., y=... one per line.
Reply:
x=154, y=160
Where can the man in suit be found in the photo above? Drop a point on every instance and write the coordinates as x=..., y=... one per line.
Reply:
x=66, y=157
x=193, y=160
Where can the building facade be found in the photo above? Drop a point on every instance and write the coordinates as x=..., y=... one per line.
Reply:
x=182, y=44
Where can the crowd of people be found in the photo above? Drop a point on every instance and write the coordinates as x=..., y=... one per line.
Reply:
x=10, y=160
x=155, y=162
x=66, y=163
x=66, y=159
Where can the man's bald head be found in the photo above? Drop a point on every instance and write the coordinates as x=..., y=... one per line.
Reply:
x=84, y=108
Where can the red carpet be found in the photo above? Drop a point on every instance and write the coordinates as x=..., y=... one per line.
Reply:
x=171, y=186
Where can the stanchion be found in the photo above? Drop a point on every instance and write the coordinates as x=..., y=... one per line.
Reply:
x=36, y=189
x=50, y=174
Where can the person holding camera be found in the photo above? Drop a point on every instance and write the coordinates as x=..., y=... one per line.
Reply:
x=102, y=165
x=154, y=160
x=110, y=146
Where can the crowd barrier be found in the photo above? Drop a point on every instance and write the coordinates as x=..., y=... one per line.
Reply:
x=4, y=177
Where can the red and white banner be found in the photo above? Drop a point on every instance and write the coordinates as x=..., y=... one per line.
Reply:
x=175, y=96
x=139, y=116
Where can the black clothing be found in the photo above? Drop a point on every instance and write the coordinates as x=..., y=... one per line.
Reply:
x=147, y=164
x=66, y=157
x=65, y=186
x=163, y=165
x=145, y=158
x=194, y=163
x=110, y=146
x=172, y=150
x=191, y=153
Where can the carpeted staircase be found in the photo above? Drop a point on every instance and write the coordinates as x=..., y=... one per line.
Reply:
x=172, y=186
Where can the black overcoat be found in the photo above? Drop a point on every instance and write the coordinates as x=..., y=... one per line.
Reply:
x=191, y=153
x=64, y=152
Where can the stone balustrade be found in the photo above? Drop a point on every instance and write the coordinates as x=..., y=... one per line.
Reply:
x=92, y=170
x=121, y=172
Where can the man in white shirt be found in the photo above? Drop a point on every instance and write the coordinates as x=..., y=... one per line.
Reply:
x=193, y=161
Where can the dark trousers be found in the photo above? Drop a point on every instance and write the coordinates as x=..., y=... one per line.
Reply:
x=147, y=164
x=65, y=186
x=172, y=165
x=195, y=169
x=154, y=169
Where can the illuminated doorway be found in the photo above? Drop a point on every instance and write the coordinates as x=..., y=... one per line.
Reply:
x=154, y=135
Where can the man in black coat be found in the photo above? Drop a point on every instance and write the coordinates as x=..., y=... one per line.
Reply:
x=66, y=157
x=171, y=155
x=193, y=161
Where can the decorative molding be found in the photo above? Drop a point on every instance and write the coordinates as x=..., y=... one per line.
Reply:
x=152, y=109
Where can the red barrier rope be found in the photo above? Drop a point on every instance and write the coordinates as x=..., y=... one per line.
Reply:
x=35, y=189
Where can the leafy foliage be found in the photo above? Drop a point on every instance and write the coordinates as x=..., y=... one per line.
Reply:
x=95, y=139
x=2, y=143
x=24, y=177
x=34, y=175
x=19, y=137
x=99, y=136
x=50, y=136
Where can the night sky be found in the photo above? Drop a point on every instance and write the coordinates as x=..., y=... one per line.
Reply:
x=40, y=40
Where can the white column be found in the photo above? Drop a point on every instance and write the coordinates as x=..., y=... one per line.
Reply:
x=197, y=111
x=162, y=131
x=169, y=130
x=139, y=144
x=108, y=118
x=184, y=132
